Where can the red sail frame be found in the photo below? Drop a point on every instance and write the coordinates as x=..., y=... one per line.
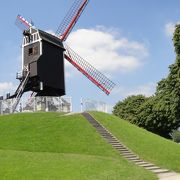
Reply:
x=71, y=18
x=22, y=23
x=89, y=71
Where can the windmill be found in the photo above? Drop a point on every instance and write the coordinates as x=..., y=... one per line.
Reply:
x=43, y=57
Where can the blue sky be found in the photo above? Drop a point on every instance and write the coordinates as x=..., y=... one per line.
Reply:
x=130, y=41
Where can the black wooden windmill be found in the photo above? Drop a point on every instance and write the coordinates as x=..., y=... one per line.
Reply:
x=43, y=57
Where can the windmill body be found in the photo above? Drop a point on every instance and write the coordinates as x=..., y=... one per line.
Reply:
x=43, y=57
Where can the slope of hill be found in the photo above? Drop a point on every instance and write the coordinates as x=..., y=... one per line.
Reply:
x=54, y=146
x=148, y=146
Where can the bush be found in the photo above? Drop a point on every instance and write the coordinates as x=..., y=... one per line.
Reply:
x=176, y=136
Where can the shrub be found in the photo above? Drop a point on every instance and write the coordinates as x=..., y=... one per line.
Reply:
x=176, y=136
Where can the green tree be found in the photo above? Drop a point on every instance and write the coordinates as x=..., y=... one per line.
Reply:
x=127, y=108
x=161, y=114
x=155, y=118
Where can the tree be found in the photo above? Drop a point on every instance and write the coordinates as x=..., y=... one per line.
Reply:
x=127, y=109
x=161, y=112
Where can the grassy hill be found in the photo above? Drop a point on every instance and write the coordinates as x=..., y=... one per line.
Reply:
x=54, y=146
x=148, y=146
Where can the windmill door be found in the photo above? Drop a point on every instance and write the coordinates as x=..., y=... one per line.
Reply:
x=33, y=69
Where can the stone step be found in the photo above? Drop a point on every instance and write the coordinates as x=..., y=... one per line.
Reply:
x=142, y=162
x=95, y=125
x=122, y=152
x=133, y=158
x=146, y=165
x=101, y=129
x=106, y=135
x=102, y=132
x=152, y=168
x=117, y=142
x=159, y=171
x=137, y=160
x=130, y=156
x=127, y=153
x=117, y=145
x=108, y=138
x=122, y=149
x=111, y=140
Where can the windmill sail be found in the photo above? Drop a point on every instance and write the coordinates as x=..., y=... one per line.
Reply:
x=99, y=79
x=22, y=23
x=71, y=18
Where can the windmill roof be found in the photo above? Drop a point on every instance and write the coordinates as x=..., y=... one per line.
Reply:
x=51, y=38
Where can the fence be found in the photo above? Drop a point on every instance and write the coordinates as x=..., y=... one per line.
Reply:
x=93, y=105
x=48, y=104
x=52, y=104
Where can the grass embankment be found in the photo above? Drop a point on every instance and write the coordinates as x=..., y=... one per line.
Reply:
x=148, y=146
x=51, y=146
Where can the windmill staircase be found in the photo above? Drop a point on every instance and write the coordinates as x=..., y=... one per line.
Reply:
x=123, y=150
x=19, y=92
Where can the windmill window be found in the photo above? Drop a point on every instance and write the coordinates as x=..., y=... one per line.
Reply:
x=30, y=51
x=33, y=51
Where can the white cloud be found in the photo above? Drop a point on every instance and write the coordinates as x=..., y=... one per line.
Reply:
x=101, y=48
x=169, y=29
x=105, y=51
x=145, y=89
x=6, y=87
x=50, y=31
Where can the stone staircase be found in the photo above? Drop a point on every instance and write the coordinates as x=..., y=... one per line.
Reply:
x=123, y=150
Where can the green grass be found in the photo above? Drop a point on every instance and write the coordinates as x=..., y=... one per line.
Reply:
x=148, y=146
x=52, y=146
